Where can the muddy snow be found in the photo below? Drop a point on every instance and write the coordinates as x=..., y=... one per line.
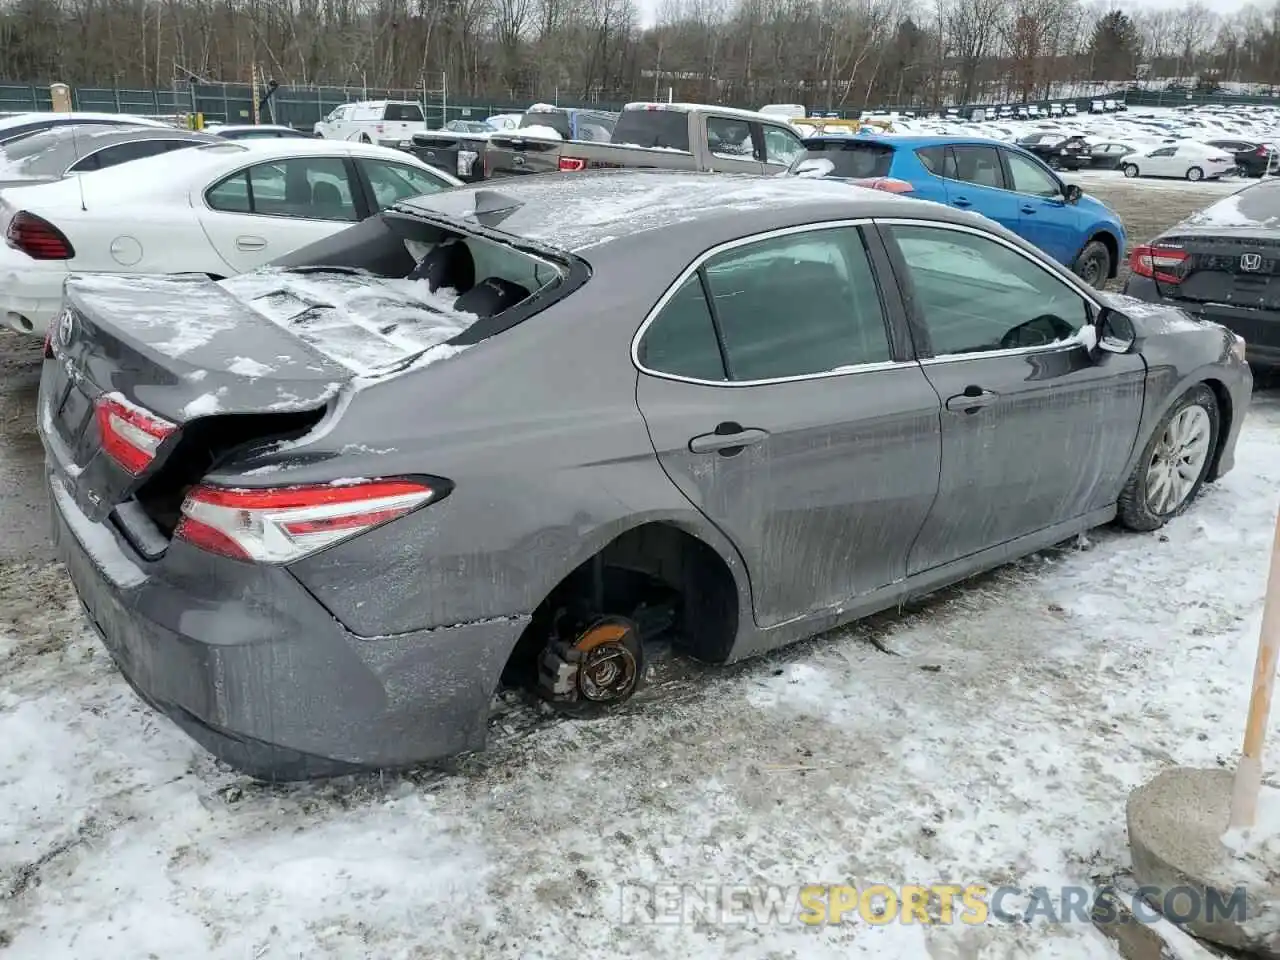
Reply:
x=987, y=736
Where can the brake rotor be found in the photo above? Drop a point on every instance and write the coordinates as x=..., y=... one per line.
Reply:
x=608, y=660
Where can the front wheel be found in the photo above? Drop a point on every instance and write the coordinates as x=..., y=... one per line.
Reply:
x=1093, y=266
x=1130, y=170
x=1172, y=468
x=1055, y=163
x=1194, y=174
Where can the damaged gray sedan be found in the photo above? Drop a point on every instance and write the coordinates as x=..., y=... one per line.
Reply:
x=321, y=512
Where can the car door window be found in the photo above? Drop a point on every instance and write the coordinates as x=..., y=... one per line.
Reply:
x=681, y=340
x=976, y=165
x=393, y=182
x=975, y=294
x=306, y=188
x=781, y=146
x=730, y=138
x=120, y=153
x=797, y=305
x=1029, y=177
x=1165, y=152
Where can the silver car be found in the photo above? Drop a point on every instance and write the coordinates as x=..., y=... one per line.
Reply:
x=320, y=512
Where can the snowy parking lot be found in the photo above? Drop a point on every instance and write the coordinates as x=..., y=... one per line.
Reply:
x=989, y=736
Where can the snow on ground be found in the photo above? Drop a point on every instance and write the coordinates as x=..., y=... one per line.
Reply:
x=990, y=735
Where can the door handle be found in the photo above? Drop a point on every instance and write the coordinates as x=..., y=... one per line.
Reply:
x=728, y=440
x=961, y=202
x=250, y=243
x=1028, y=208
x=972, y=400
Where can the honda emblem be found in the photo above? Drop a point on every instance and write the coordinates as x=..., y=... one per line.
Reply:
x=1251, y=261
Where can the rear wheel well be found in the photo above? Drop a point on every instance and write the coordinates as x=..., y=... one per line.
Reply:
x=644, y=565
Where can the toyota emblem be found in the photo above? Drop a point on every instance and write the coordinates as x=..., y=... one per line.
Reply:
x=66, y=326
x=1251, y=261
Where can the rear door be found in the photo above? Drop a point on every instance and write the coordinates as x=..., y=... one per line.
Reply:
x=1035, y=433
x=778, y=391
x=1044, y=216
x=1162, y=163
x=731, y=144
x=269, y=209
x=976, y=182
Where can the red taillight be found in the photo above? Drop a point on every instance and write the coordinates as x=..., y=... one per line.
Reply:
x=37, y=238
x=283, y=524
x=887, y=184
x=572, y=164
x=1162, y=264
x=130, y=435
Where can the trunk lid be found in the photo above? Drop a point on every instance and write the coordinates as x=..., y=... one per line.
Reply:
x=1238, y=268
x=455, y=153
x=232, y=365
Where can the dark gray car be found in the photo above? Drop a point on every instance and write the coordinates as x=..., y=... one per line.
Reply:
x=320, y=512
x=1221, y=263
x=81, y=148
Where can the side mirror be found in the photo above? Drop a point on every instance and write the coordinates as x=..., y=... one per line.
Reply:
x=1115, y=332
x=1072, y=192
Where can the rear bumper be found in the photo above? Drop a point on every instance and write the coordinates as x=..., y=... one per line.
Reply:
x=1260, y=328
x=30, y=294
x=250, y=666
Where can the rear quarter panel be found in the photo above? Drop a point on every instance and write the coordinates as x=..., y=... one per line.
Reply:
x=539, y=430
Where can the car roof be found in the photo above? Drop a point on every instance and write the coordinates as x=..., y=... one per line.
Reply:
x=625, y=208
x=60, y=147
x=19, y=119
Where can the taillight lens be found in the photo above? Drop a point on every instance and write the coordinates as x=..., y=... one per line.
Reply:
x=1159, y=263
x=37, y=238
x=572, y=164
x=283, y=524
x=130, y=435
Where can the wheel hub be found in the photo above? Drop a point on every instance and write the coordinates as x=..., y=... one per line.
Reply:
x=602, y=665
x=1178, y=460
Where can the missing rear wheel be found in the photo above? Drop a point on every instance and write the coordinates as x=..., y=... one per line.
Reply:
x=601, y=666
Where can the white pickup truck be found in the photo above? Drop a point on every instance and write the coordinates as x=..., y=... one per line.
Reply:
x=388, y=123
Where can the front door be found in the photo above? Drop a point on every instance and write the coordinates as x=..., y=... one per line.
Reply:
x=778, y=406
x=1035, y=432
x=273, y=208
x=731, y=145
x=1044, y=216
x=975, y=182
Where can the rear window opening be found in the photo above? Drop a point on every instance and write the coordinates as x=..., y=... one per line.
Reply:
x=654, y=129
x=852, y=158
x=557, y=120
x=381, y=294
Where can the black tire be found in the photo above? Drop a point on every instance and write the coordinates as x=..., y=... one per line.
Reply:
x=1131, y=170
x=1135, y=511
x=364, y=138
x=1093, y=266
x=1055, y=163
x=1195, y=174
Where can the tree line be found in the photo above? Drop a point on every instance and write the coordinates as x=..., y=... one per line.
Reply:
x=825, y=54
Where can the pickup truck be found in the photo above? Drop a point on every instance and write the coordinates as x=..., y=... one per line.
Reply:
x=389, y=123
x=460, y=151
x=676, y=136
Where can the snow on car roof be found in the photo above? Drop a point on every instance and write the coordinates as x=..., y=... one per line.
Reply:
x=709, y=108
x=592, y=208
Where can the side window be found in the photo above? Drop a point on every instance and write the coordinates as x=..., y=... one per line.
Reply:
x=403, y=112
x=795, y=305
x=1028, y=177
x=231, y=195
x=681, y=340
x=121, y=153
x=932, y=158
x=977, y=295
x=1163, y=152
x=393, y=182
x=309, y=188
x=781, y=146
x=977, y=165
x=730, y=138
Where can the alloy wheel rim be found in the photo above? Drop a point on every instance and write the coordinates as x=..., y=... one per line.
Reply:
x=1178, y=460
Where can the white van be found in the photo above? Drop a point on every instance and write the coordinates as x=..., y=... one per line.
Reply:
x=1071, y=110
x=787, y=111
x=1055, y=109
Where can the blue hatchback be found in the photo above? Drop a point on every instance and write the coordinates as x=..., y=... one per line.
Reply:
x=998, y=180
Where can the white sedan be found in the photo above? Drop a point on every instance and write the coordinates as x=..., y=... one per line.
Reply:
x=1185, y=159
x=219, y=209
